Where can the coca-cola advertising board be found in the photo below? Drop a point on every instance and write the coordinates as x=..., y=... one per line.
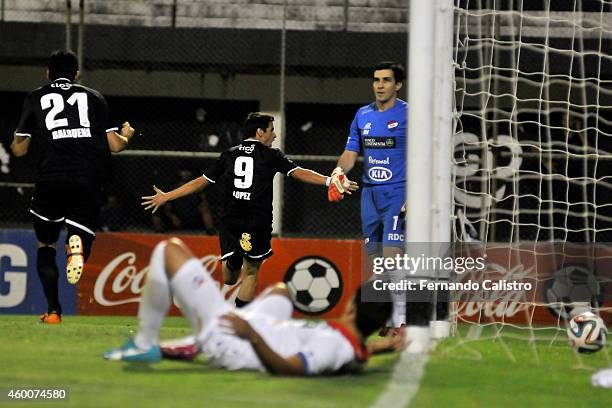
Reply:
x=558, y=273
x=116, y=272
x=323, y=273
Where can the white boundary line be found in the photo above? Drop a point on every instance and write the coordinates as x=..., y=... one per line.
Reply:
x=405, y=380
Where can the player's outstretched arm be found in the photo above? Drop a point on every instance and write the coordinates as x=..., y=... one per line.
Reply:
x=347, y=160
x=312, y=177
x=20, y=145
x=118, y=141
x=160, y=198
x=274, y=363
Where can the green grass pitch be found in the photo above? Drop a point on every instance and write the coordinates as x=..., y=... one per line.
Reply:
x=70, y=356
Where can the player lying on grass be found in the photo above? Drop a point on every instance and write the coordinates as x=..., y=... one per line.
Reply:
x=247, y=174
x=261, y=336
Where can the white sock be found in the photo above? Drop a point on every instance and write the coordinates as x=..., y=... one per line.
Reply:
x=398, y=317
x=198, y=295
x=399, y=313
x=440, y=329
x=155, y=301
x=418, y=339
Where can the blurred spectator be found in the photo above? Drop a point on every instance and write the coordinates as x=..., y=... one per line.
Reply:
x=111, y=214
x=187, y=213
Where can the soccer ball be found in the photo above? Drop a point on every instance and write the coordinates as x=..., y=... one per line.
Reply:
x=587, y=332
x=572, y=283
x=314, y=283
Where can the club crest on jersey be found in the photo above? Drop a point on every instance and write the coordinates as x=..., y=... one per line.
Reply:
x=392, y=124
x=368, y=125
x=247, y=149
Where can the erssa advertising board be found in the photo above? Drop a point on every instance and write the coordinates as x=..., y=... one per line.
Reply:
x=20, y=288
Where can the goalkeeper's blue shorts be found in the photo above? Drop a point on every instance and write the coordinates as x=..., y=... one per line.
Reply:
x=381, y=221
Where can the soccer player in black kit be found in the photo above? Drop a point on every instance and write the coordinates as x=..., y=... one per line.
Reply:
x=247, y=173
x=70, y=125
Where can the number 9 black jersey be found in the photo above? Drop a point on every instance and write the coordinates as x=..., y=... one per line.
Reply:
x=69, y=122
x=248, y=171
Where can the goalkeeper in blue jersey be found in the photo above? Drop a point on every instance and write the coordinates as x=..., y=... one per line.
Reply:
x=379, y=131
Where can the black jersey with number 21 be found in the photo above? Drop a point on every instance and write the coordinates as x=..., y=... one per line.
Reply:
x=247, y=171
x=69, y=123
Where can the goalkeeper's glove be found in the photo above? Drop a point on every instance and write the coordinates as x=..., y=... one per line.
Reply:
x=337, y=185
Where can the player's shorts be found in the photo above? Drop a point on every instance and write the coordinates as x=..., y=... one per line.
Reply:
x=229, y=238
x=74, y=201
x=381, y=221
x=225, y=350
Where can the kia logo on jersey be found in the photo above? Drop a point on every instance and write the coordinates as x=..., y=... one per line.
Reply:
x=379, y=174
x=392, y=124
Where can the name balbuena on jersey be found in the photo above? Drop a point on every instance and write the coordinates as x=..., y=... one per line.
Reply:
x=69, y=122
x=248, y=171
x=382, y=138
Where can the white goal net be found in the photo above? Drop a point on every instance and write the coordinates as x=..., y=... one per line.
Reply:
x=533, y=153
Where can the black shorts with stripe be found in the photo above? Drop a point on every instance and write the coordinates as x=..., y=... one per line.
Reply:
x=74, y=201
x=229, y=239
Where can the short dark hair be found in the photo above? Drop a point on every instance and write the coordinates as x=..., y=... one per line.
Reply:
x=63, y=64
x=254, y=121
x=372, y=314
x=396, y=67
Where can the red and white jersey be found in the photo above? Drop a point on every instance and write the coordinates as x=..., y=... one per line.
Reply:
x=323, y=347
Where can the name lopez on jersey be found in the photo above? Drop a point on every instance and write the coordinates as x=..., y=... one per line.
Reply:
x=71, y=133
x=241, y=195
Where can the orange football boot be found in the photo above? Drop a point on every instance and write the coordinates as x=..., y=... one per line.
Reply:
x=51, y=318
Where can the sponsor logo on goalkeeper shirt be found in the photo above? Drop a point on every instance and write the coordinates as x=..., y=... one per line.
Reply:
x=372, y=160
x=379, y=142
x=379, y=174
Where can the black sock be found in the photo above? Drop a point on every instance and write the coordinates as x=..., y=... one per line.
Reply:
x=49, y=276
x=419, y=308
x=418, y=313
x=241, y=303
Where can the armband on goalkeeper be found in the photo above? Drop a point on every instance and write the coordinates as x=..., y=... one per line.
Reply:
x=338, y=184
